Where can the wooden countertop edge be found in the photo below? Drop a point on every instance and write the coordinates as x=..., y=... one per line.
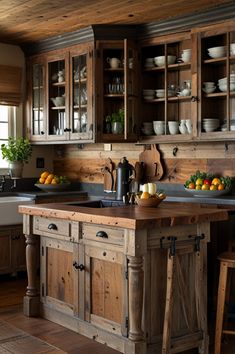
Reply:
x=130, y=217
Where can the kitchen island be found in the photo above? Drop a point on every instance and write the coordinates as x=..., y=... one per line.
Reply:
x=103, y=272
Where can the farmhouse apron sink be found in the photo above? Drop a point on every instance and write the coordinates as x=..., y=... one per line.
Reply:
x=9, y=214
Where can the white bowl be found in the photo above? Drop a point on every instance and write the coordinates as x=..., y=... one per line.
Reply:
x=209, y=89
x=232, y=49
x=224, y=87
x=208, y=83
x=58, y=101
x=216, y=52
x=160, y=60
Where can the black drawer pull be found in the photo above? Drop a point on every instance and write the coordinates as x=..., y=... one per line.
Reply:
x=52, y=227
x=101, y=234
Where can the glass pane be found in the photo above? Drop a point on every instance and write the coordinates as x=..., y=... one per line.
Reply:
x=80, y=94
x=57, y=94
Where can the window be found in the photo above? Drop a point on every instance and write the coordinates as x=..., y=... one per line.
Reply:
x=7, y=127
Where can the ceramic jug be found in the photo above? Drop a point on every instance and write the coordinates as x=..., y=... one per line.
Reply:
x=114, y=62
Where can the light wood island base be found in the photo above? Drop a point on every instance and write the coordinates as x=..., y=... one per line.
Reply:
x=103, y=273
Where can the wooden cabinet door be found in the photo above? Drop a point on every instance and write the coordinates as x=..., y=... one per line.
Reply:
x=106, y=288
x=81, y=93
x=18, y=245
x=59, y=278
x=5, y=255
x=12, y=257
x=36, y=99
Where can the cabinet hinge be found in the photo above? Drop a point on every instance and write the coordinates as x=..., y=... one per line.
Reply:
x=127, y=322
x=42, y=289
x=42, y=251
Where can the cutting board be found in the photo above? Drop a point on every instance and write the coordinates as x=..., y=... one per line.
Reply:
x=153, y=165
x=108, y=171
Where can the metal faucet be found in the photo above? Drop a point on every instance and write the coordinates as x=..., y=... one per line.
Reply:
x=3, y=181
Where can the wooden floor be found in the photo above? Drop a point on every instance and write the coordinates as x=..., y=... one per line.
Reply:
x=11, y=294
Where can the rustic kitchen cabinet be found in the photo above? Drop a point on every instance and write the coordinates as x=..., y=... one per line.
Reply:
x=169, y=87
x=60, y=95
x=216, y=65
x=103, y=272
x=13, y=245
x=117, y=90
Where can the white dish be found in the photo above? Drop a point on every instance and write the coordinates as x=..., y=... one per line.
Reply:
x=160, y=60
x=209, y=89
x=207, y=194
x=217, y=52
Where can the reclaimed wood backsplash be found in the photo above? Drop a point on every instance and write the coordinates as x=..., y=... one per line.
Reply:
x=179, y=160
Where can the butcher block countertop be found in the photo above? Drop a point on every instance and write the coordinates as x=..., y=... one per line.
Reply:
x=130, y=216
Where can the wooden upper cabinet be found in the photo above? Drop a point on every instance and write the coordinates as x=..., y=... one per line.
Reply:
x=60, y=99
x=116, y=90
x=216, y=83
x=168, y=88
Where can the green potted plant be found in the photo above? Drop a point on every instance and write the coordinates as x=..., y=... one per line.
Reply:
x=16, y=152
x=117, y=121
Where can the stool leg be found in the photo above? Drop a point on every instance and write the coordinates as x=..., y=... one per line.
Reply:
x=166, y=340
x=220, y=306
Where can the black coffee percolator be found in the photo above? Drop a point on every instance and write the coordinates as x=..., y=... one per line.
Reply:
x=124, y=172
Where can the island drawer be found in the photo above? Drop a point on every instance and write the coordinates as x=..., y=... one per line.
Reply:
x=58, y=228
x=102, y=233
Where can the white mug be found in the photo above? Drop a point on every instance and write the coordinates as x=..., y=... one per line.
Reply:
x=114, y=62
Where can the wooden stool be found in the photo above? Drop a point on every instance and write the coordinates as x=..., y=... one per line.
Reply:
x=227, y=260
x=197, y=336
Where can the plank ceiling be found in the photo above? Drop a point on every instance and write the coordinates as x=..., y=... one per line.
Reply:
x=27, y=21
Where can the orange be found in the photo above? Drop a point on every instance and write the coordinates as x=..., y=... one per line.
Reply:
x=216, y=181
x=220, y=187
x=45, y=174
x=213, y=187
x=205, y=187
x=55, y=180
x=49, y=179
x=145, y=195
x=42, y=180
x=191, y=185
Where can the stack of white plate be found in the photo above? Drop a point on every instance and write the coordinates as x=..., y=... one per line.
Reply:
x=148, y=94
x=210, y=124
x=223, y=83
x=161, y=93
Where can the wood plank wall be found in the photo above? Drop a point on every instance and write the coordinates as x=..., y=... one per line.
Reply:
x=84, y=165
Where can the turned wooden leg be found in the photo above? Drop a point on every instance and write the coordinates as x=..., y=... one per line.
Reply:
x=220, y=306
x=31, y=299
x=136, y=279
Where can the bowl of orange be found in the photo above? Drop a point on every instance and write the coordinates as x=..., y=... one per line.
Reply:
x=150, y=201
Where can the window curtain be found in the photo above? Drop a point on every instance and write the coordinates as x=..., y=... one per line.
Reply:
x=10, y=85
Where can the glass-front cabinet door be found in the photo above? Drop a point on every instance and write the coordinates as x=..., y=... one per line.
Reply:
x=81, y=114
x=217, y=84
x=58, y=96
x=116, y=91
x=36, y=102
